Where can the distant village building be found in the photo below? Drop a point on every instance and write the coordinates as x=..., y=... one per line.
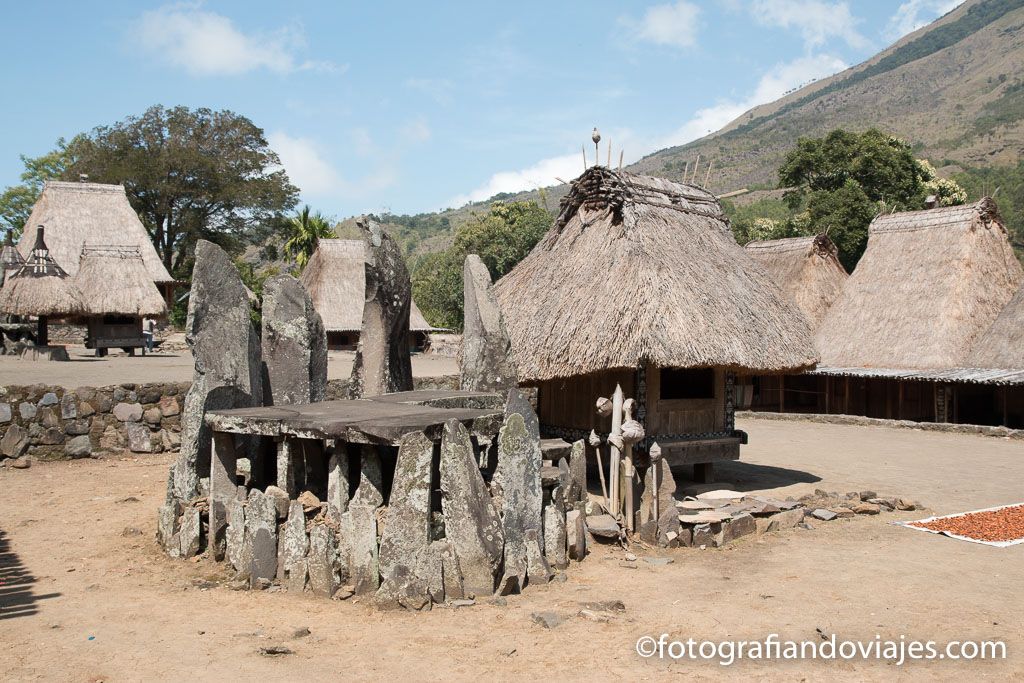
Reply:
x=82, y=214
x=120, y=295
x=335, y=278
x=807, y=269
x=906, y=340
x=641, y=283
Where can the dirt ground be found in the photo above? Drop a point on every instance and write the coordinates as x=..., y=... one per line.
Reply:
x=85, y=369
x=105, y=604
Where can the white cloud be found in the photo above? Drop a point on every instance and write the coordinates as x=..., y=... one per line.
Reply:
x=209, y=44
x=416, y=131
x=772, y=85
x=315, y=176
x=673, y=24
x=914, y=14
x=816, y=20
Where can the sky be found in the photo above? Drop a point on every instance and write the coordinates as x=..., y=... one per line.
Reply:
x=407, y=107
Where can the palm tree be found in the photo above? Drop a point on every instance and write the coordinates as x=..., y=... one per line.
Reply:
x=305, y=230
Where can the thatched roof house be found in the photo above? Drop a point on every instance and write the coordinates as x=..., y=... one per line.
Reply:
x=40, y=288
x=1002, y=344
x=805, y=268
x=10, y=259
x=640, y=282
x=77, y=215
x=115, y=281
x=335, y=278
x=929, y=283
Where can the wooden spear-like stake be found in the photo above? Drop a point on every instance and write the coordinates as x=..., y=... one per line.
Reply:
x=707, y=176
x=595, y=441
x=616, y=453
x=696, y=167
x=655, y=454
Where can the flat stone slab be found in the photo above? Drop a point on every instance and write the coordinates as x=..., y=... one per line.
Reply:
x=555, y=449
x=375, y=420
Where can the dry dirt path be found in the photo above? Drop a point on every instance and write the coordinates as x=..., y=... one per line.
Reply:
x=67, y=528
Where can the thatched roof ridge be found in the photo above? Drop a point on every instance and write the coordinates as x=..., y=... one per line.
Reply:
x=87, y=214
x=1002, y=344
x=335, y=278
x=807, y=269
x=114, y=281
x=929, y=283
x=639, y=270
x=40, y=286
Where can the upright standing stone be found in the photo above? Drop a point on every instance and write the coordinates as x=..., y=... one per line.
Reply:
x=668, y=516
x=537, y=566
x=363, y=560
x=554, y=535
x=577, y=488
x=294, y=345
x=235, y=535
x=261, y=536
x=406, y=532
x=576, y=532
x=337, y=481
x=518, y=486
x=291, y=562
x=227, y=354
x=323, y=547
x=191, y=532
x=382, y=364
x=371, y=480
x=485, y=359
x=472, y=524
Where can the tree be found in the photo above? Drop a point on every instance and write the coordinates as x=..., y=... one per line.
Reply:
x=845, y=179
x=501, y=238
x=189, y=174
x=305, y=230
x=17, y=201
x=1006, y=185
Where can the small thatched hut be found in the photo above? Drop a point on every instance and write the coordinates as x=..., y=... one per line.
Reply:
x=85, y=214
x=805, y=268
x=335, y=278
x=896, y=343
x=118, y=292
x=10, y=259
x=640, y=282
x=40, y=288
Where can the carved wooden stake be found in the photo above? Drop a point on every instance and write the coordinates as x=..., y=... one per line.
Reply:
x=616, y=453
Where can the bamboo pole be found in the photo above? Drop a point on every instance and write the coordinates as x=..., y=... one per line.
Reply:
x=707, y=176
x=609, y=153
x=595, y=441
x=622, y=153
x=696, y=165
x=584, y=148
x=616, y=454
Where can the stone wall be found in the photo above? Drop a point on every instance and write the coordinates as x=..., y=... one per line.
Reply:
x=53, y=423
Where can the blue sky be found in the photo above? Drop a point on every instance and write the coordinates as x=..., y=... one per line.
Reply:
x=412, y=107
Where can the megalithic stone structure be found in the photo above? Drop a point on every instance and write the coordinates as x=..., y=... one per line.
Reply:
x=294, y=345
x=485, y=359
x=382, y=364
x=227, y=354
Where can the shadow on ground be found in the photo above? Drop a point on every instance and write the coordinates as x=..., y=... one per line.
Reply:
x=16, y=596
x=745, y=476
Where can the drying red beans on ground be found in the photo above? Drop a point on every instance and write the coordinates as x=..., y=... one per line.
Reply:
x=1006, y=524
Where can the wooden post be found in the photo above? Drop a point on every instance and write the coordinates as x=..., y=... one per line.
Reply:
x=42, y=333
x=616, y=456
x=223, y=488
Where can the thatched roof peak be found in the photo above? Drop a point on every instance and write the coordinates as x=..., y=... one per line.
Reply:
x=928, y=284
x=640, y=270
x=807, y=269
x=335, y=278
x=40, y=286
x=114, y=281
x=77, y=215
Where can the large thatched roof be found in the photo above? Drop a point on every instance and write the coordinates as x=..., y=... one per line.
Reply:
x=806, y=268
x=1002, y=344
x=638, y=269
x=114, y=281
x=928, y=284
x=335, y=278
x=40, y=286
x=78, y=215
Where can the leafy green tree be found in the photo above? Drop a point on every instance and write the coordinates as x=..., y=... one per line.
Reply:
x=501, y=238
x=305, y=230
x=190, y=174
x=844, y=215
x=1006, y=185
